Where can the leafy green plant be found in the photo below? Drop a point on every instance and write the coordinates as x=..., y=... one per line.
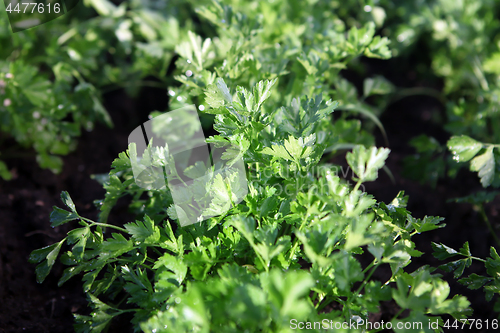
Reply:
x=54, y=75
x=211, y=260
x=274, y=258
x=465, y=149
x=461, y=41
x=489, y=283
x=292, y=249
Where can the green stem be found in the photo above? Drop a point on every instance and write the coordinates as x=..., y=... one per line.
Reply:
x=78, y=76
x=478, y=259
x=156, y=250
x=356, y=187
x=365, y=281
x=370, y=266
x=110, y=226
x=121, y=301
x=418, y=91
x=260, y=257
x=286, y=229
x=104, y=225
x=397, y=314
x=476, y=68
x=327, y=300
x=149, y=267
x=487, y=221
x=292, y=252
x=296, y=240
x=150, y=260
x=373, y=267
x=130, y=310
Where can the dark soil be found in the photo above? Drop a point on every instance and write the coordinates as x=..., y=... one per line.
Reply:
x=26, y=201
x=25, y=205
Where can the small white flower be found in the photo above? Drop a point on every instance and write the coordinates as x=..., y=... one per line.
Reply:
x=9, y=75
x=7, y=102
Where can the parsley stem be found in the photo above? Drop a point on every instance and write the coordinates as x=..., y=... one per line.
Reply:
x=110, y=226
x=148, y=266
x=476, y=68
x=418, y=91
x=356, y=187
x=104, y=224
x=156, y=250
x=292, y=252
x=487, y=221
x=374, y=265
x=266, y=267
x=370, y=265
x=296, y=241
x=478, y=259
x=327, y=300
x=130, y=310
x=397, y=314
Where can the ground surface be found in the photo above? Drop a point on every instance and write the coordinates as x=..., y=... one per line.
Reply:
x=26, y=201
